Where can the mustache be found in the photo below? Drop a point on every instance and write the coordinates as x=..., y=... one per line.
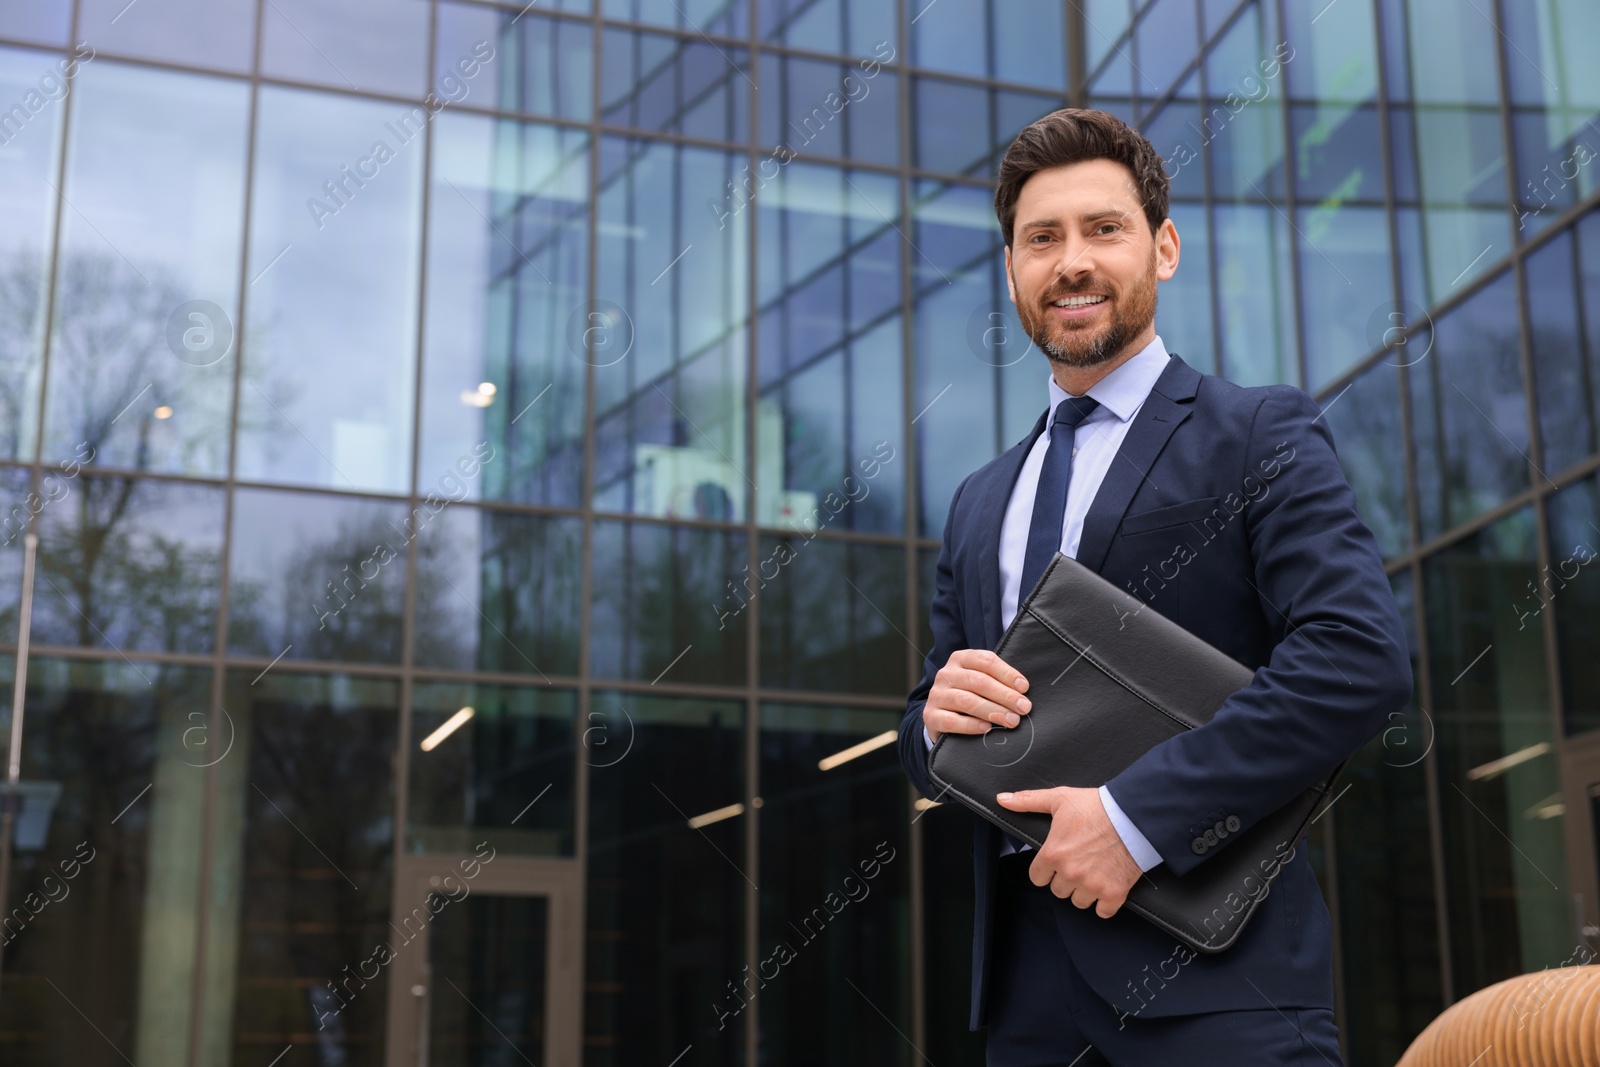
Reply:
x=1077, y=290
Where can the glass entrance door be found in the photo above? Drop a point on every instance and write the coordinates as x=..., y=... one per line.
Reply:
x=490, y=976
x=1580, y=773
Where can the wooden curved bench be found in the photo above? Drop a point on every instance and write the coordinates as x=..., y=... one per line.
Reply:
x=1550, y=1018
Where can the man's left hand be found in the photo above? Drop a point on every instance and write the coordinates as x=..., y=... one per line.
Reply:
x=1083, y=859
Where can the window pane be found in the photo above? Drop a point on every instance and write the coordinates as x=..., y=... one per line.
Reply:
x=829, y=109
x=44, y=21
x=1563, y=362
x=509, y=768
x=1555, y=94
x=670, y=84
x=1255, y=300
x=716, y=17
x=1467, y=412
x=1388, y=921
x=130, y=563
x=27, y=170
x=830, y=351
x=537, y=65
x=1183, y=316
x=20, y=502
x=958, y=275
x=833, y=616
x=669, y=411
x=1505, y=864
x=503, y=367
x=669, y=603
x=665, y=911
x=333, y=269
x=370, y=45
x=141, y=364
x=1574, y=595
x=498, y=591
x=1344, y=278
x=117, y=859
x=1167, y=39
x=838, y=26
x=207, y=33
x=311, y=819
x=321, y=573
x=835, y=872
x=1012, y=40
x=1370, y=440
x=1243, y=125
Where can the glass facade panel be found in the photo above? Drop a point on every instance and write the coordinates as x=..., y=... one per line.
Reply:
x=1566, y=586
x=668, y=84
x=826, y=619
x=1369, y=436
x=835, y=872
x=1505, y=866
x=1564, y=360
x=334, y=259
x=1554, y=98
x=835, y=26
x=667, y=881
x=829, y=109
x=147, y=284
x=492, y=762
x=206, y=33
x=669, y=411
x=1010, y=40
x=503, y=359
x=318, y=576
x=1468, y=415
x=361, y=45
x=538, y=65
x=498, y=591
x=30, y=134
x=307, y=814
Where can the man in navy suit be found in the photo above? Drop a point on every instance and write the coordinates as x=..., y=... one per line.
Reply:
x=1221, y=507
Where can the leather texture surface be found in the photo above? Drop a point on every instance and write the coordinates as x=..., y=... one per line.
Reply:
x=1110, y=680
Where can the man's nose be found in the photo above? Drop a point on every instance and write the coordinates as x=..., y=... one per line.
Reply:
x=1075, y=260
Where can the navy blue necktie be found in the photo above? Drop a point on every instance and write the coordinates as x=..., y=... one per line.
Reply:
x=1050, y=504
x=1050, y=499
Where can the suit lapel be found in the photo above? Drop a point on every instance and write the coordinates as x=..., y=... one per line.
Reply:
x=1164, y=409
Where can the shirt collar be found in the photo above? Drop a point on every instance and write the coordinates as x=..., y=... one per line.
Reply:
x=1123, y=390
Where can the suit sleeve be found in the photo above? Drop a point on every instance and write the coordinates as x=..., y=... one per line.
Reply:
x=948, y=635
x=1339, y=668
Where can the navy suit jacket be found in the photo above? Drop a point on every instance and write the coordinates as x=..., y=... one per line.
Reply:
x=1225, y=510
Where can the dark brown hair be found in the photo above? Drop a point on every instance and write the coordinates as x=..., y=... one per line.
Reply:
x=1074, y=135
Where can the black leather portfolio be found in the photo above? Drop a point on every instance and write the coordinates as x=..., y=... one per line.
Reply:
x=1110, y=677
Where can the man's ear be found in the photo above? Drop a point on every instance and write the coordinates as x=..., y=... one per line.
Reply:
x=1011, y=287
x=1167, y=246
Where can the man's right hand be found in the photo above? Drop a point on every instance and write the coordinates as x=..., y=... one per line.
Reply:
x=972, y=693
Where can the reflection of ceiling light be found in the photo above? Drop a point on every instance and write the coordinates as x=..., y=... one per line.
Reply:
x=923, y=804
x=163, y=412
x=716, y=816
x=1548, y=808
x=1495, y=768
x=446, y=728
x=481, y=397
x=885, y=738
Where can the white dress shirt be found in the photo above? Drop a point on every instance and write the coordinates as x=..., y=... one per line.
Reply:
x=1095, y=443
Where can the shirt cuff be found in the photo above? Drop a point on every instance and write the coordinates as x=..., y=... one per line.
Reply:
x=926, y=739
x=1138, y=846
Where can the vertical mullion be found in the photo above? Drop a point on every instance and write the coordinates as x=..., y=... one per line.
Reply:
x=752, y=718
x=910, y=519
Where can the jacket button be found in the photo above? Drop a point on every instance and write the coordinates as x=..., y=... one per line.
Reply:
x=1221, y=829
x=1210, y=837
x=1199, y=846
x=1233, y=824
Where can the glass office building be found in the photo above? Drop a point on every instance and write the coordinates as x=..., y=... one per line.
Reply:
x=488, y=463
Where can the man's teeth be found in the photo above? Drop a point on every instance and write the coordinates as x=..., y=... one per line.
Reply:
x=1078, y=301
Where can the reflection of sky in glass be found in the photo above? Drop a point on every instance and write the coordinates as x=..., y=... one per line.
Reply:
x=333, y=321
x=372, y=45
x=155, y=179
x=207, y=33
x=27, y=203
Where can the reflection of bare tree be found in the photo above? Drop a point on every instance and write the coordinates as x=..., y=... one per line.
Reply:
x=338, y=598
x=129, y=581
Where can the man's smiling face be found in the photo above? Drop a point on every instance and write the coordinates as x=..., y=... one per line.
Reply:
x=1083, y=264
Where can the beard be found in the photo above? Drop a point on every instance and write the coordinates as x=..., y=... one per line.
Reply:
x=1072, y=344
